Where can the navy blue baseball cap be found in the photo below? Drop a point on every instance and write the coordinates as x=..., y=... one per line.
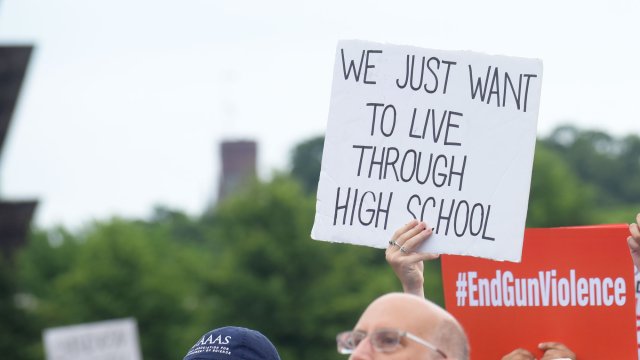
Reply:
x=233, y=343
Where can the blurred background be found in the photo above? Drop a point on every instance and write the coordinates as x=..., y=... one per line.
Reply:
x=159, y=159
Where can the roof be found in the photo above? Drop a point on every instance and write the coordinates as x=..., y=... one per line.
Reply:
x=13, y=65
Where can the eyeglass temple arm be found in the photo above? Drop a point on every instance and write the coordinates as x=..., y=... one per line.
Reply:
x=425, y=343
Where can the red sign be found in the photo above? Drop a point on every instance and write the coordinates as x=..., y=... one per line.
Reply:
x=575, y=285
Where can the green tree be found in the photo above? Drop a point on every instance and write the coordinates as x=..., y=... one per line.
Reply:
x=305, y=163
x=120, y=269
x=17, y=327
x=557, y=197
x=630, y=164
x=48, y=255
x=609, y=164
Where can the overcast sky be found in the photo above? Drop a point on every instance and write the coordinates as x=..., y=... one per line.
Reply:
x=125, y=101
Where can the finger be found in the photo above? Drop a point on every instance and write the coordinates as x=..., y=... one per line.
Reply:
x=556, y=355
x=633, y=243
x=635, y=231
x=416, y=229
x=416, y=241
x=555, y=350
x=416, y=257
x=549, y=345
x=398, y=259
x=404, y=228
x=519, y=354
x=393, y=245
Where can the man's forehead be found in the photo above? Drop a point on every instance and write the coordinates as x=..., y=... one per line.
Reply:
x=402, y=313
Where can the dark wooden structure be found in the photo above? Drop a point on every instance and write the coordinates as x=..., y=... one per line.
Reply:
x=15, y=216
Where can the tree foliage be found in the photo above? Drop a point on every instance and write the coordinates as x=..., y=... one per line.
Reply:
x=610, y=164
x=116, y=269
x=17, y=327
x=557, y=196
x=306, y=161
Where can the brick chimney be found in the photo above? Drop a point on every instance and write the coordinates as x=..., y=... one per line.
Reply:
x=238, y=166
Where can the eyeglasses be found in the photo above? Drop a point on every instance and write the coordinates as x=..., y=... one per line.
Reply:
x=383, y=340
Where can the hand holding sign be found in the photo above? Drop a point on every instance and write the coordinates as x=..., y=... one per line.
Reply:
x=519, y=354
x=407, y=264
x=552, y=351
x=556, y=351
x=445, y=137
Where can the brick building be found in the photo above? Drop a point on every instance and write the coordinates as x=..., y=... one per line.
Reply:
x=238, y=166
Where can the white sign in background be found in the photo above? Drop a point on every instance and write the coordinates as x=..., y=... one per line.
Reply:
x=104, y=340
x=447, y=137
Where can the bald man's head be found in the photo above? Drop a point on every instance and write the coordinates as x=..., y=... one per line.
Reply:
x=417, y=316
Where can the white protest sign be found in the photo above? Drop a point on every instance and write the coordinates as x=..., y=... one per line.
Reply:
x=105, y=340
x=447, y=137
